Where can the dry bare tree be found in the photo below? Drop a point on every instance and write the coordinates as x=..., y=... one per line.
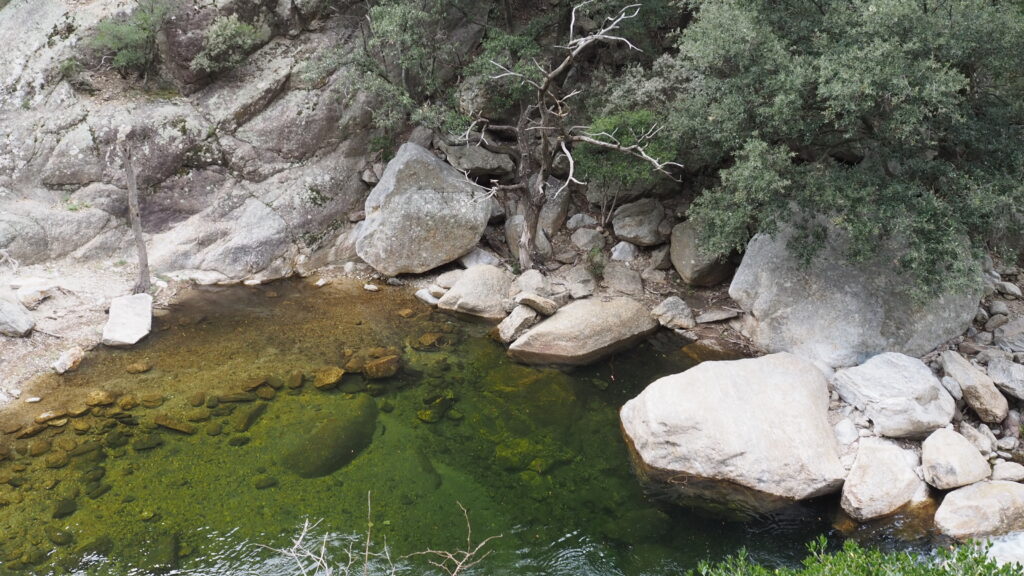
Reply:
x=142, y=284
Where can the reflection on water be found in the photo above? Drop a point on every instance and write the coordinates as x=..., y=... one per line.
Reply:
x=200, y=466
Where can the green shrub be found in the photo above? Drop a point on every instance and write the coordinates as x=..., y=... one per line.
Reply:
x=130, y=43
x=227, y=44
x=852, y=560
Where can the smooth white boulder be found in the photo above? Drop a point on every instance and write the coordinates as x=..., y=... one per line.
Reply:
x=898, y=393
x=480, y=291
x=949, y=460
x=129, y=320
x=984, y=509
x=741, y=436
x=881, y=481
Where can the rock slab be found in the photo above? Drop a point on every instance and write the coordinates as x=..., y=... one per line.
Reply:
x=898, y=393
x=583, y=332
x=422, y=214
x=130, y=319
x=739, y=437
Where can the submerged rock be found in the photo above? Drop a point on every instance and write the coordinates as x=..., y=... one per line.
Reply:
x=335, y=441
x=736, y=437
x=583, y=332
x=898, y=393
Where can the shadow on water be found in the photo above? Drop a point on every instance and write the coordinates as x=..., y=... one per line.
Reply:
x=219, y=452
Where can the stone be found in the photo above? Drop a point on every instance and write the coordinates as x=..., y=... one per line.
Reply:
x=580, y=220
x=998, y=307
x=264, y=481
x=983, y=509
x=619, y=278
x=661, y=258
x=130, y=320
x=165, y=421
x=625, y=252
x=836, y=312
x=380, y=368
x=448, y=279
x=334, y=441
x=69, y=360
x=1007, y=444
x=675, y=314
x=981, y=441
x=583, y=332
x=100, y=398
x=898, y=393
x=1009, y=289
x=516, y=323
x=948, y=460
x=15, y=320
x=138, y=367
x=642, y=222
x=587, y=239
x=953, y=387
x=846, y=432
x=426, y=297
x=694, y=266
x=328, y=377
x=995, y=322
x=1008, y=471
x=477, y=161
x=481, y=292
x=531, y=281
x=1010, y=336
x=478, y=256
x=881, y=481
x=578, y=281
x=1008, y=376
x=422, y=214
x=541, y=305
x=685, y=435
x=33, y=291
x=716, y=315
x=552, y=215
x=371, y=287
x=979, y=391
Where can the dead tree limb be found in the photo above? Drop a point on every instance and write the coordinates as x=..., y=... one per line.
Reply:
x=142, y=285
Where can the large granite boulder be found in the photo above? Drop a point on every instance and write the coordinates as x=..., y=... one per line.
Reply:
x=422, y=214
x=949, y=460
x=480, y=291
x=15, y=320
x=839, y=313
x=881, y=481
x=129, y=320
x=738, y=437
x=643, y=222
x=695, y=267
x=979, y=390
x=983, y=509
x=898, y=393
x=584, y=331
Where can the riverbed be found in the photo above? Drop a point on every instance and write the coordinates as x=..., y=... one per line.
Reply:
x=197, y=460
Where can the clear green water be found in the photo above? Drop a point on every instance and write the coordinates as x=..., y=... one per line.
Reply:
x=534, y=455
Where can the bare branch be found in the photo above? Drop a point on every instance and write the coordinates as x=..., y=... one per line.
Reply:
x=635, y=150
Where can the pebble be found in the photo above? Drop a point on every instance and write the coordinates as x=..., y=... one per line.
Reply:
x=264, y=481
x=127, y=402
x=371, y=288
x=294, y=380
x=39, y=447
x=99, y=398
x=33, y=400
x=165, y=421
x=50, y=415
x=65, y=508
x=138, y=367
x=214, y=429
x=197, y=399
x=152, y=400
x=999, y=307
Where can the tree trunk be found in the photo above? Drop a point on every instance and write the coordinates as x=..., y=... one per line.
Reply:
x=142, y=285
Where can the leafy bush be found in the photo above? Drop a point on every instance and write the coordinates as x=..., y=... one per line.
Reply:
x=130, y=43
x=853, y=560
x=228, y=42
x=894, y=120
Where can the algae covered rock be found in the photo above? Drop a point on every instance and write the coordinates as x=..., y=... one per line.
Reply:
x=334, y=441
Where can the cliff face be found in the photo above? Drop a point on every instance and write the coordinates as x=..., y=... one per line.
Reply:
x=249, y=175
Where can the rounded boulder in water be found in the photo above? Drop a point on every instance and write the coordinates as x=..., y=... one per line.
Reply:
x=334, y=441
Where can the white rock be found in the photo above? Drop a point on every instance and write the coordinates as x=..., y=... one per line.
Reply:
x=642, y=222
x=1009, y=289
x=478, y=256
x=424, y=295
x=1008, y=444
x=580, y=221
x=449, y=278
x=625, y=252
x=674, y=314
x=1009, y=471
x=481, y=291
x=322, y=282
x=587, y=239
x=130, y=320
x=544, y=306
x=983, y=509
x=980, y=392
x=881, y=481
x=750, y=435
x=531, y=281
x=33, y=291
x=846, y=431
x=371, y=287
x=949, y=461
x=69, y=360
x=898, y=393
x=15, y=319
x=1008, y=376
x=436, y=291
x=953, y=387
x=513, y=326
x=979, y=440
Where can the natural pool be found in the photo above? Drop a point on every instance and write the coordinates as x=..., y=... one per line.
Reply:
x=534, y=455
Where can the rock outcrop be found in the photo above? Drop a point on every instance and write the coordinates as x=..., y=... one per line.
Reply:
x=739, y=437
x=422, y=214
x=881, y=481
x=839, y=313
x=982, y=509
x=584, y=331
x=898, y=393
